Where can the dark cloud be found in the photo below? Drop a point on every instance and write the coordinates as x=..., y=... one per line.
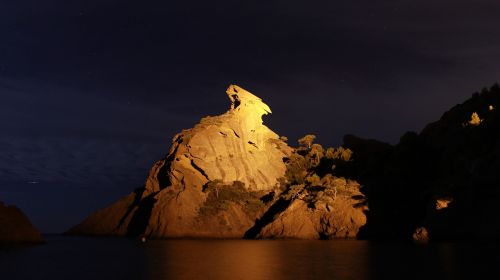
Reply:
x=92, y=91
x=76, y=161
x=57, y=181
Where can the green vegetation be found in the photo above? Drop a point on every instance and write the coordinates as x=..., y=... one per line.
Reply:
x=307, y=140
x=221, y=196
x=310, y=174
x=309, y=177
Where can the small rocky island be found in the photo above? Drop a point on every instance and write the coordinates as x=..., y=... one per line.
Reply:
x=230, y=176
x=15, y=227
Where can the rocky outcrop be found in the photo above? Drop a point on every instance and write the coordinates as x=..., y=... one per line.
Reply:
x=15, y=227
x=330, y=213
x=421, y=235
x=442, y=203
x=232, y=177
x=232, y=147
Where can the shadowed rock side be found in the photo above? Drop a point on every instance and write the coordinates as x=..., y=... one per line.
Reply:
x=443, y=183
x=15, y=227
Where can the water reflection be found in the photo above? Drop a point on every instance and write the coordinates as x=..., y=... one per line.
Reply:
x=246, y=259
x=119, y=258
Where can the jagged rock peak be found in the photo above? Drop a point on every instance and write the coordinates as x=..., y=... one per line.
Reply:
x=240, y=96
x=245, y=115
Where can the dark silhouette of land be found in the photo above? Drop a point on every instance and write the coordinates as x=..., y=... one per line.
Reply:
x=15, y=227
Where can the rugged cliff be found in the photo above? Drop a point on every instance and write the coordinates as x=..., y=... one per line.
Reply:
x=15, y=227
x=219, y=178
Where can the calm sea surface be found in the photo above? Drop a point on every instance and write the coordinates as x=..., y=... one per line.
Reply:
x=118, y=258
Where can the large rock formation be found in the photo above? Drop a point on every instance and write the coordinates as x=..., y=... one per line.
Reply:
x=15, y=227
x=232, y=147
x=225, y=178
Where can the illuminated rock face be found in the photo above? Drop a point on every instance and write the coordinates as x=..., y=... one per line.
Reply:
x=340, y=219
x=234, y=146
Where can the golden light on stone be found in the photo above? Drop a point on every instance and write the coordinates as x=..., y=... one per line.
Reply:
x=442, y=203
x=231, y=148
x=475, y=120
x=212, y=183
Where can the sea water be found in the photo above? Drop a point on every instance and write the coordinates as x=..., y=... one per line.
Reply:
x=70, y=258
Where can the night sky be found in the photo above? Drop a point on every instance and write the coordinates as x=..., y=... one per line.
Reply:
x=91, y=92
